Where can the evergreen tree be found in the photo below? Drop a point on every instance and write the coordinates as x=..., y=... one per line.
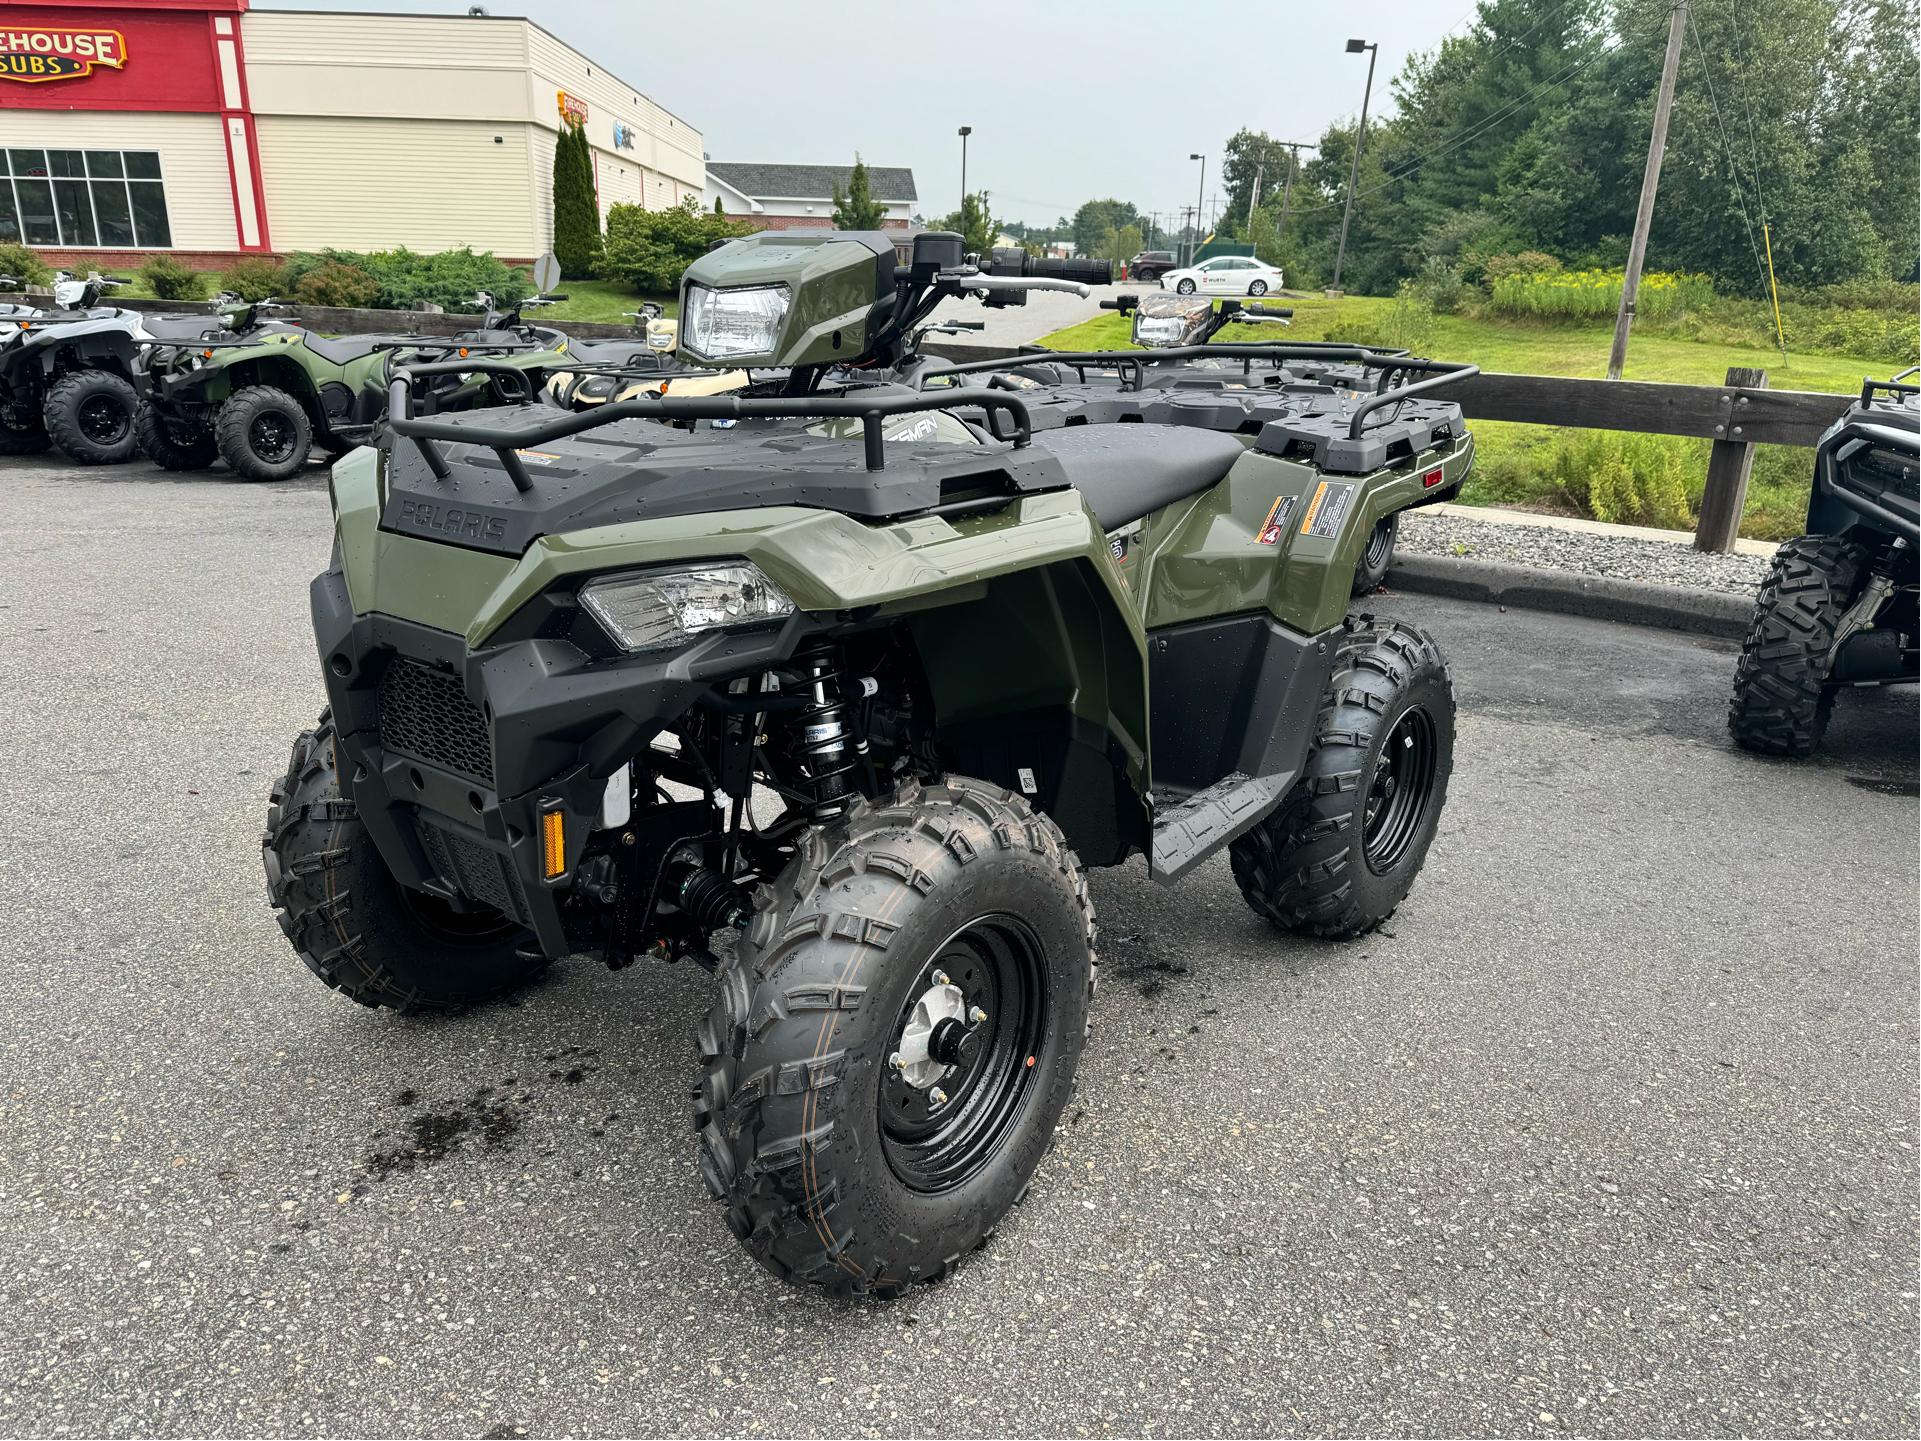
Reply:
x=576, y=207
x=857, y=209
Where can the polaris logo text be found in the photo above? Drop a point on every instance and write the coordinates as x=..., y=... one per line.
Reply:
x=35, y=55
x=451, y=520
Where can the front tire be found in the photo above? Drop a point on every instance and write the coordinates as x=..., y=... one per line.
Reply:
x=1781, y=699
x=1259, y=287
x=838, y=1169
x=1371, y=569
x=173, y=446
x=89, y=416
x=1184, y=287
x=355, y=926
x=1344, y=847
x=263, y=433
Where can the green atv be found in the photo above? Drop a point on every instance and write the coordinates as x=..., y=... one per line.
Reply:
x=835, y=686
x=262, y=404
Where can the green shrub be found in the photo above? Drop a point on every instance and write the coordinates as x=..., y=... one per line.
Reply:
x=648, y=250
x=168, y=279
x=1528, y=262
x=1406, y=324
x=1594, y=294
x=331, y=283
x=255, y=277
x=1441, y=285
x=24, y=266
x=1625, y=479
x=448, y=278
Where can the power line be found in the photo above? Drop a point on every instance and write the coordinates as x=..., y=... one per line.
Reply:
x=1734, y=170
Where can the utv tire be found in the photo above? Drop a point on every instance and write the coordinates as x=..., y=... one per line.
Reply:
x=1184, y=287
x=1781, y=698
x=23, y=439
x=1371, y=569
x=160, y=442
x=1342, y=850
x=263, y=433
x=835, y=1169
x=355, y=926
x=90, y=417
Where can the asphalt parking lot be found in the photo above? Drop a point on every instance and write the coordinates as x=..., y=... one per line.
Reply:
x=1611, y=1131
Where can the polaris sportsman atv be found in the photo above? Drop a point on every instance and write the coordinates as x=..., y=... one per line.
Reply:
x=262, y=402
x=970, y=639
x=1838, y=606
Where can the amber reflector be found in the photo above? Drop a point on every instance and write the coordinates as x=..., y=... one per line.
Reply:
x=553, y=845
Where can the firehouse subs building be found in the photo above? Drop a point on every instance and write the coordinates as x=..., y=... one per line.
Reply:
x=211, y=131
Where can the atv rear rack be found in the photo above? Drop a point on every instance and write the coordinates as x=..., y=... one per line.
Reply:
x=507, y=443
x=1440, y=372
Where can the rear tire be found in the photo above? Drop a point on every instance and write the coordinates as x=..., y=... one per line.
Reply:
x=28, y=439
x=355, y=926
x=835, y=1169
x=160, y=441
x=1371, y=569
x=90, y=415
x=1344, y=847
x=1782, y=700
x=263, y=433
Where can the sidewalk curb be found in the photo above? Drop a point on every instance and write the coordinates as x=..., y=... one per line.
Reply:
x=1629, y=602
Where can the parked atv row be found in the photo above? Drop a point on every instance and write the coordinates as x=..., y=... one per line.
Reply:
x=977, y=627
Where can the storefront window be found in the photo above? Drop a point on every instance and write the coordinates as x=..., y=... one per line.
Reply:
x=113, y=198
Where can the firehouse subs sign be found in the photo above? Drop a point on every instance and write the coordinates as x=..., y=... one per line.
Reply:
x=34, y=55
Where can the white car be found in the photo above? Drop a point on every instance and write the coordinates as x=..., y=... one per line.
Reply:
x=1224, y=275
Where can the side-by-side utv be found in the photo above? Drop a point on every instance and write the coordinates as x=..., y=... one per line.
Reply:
x=973, y=632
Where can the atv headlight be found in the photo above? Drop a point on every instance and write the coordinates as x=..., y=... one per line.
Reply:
x=655, y=610
x=746, y=320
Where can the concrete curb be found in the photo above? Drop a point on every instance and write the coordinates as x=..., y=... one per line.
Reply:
x=1629, y=602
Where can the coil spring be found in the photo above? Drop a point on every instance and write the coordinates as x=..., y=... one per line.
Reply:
x=822, y=743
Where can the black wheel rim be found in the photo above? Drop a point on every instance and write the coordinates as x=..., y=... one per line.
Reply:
x=482, y=926
x=271, y=437
x=999, y=966
x=1398, y=797
x=103, y=419
x=1380, y=543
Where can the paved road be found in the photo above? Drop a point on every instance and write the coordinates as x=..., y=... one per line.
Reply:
x=1611, y=1131
x=1046, y=311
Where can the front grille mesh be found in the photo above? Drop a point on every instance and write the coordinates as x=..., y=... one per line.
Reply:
x=475, y=871
x=425, y=713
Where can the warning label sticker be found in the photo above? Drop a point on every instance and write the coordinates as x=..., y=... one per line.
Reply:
x=1327, y=510
x=1276, y=521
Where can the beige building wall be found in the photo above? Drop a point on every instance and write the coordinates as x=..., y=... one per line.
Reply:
x=372, y=184
x=193, y=161
x=379, y=130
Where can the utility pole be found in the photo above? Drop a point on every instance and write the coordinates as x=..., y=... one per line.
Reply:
x=1650, y=183
x=1260, y=169
x=1287, y=192
x=1355, y=47
x=965, y=131
x=1199, y=195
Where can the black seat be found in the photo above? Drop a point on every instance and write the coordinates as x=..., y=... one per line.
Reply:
x=349, y=347
x=1128, y=471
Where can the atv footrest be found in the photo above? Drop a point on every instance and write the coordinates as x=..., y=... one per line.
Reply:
x=1187, y=834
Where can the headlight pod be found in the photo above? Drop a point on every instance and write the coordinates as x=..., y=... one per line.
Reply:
x=661, y=609
x=743, y=320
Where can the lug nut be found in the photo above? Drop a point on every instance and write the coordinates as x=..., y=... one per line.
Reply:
x=936, y=1098
x=977, y=1015
x=895, y=1061
x=940, y=979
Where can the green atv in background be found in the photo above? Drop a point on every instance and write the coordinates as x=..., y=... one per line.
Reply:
x=262, y=404
x=836, y=685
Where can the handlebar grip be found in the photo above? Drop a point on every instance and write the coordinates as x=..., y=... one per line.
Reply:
x=553, y=297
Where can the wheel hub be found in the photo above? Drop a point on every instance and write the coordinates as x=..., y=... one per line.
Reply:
x=937, y=1035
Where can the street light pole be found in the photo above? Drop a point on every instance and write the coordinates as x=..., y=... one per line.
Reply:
x=1355, y=47
x=1198, y=194
x=965, y=131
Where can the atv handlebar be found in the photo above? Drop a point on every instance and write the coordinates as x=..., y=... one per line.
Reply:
x=967, y=284
x=872, y=413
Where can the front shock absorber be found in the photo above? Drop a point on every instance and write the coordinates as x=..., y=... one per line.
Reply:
x=822, y=744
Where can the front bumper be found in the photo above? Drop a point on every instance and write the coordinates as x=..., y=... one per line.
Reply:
x=478, y=746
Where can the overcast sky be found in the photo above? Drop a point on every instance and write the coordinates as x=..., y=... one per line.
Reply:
x=1070, y=100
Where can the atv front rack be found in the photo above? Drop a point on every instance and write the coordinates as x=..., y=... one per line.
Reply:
x=872, y=412
x=1439, y=372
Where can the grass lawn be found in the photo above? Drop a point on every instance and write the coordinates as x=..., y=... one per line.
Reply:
x=602, y=301
x=1517, y=461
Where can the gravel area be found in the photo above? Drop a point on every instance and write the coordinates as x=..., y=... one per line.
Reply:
x=1623, y=557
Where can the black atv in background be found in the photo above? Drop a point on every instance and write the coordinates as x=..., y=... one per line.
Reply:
x=1838, y=607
